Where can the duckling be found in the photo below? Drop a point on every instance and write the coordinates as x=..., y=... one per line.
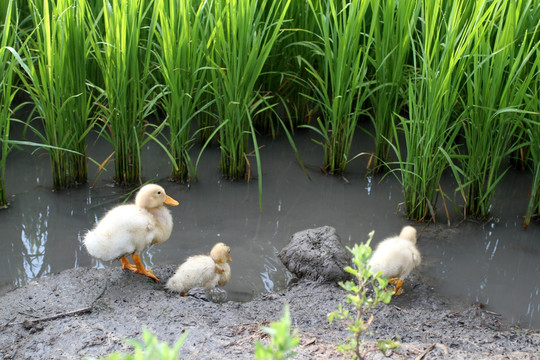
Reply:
x=396, y=257
x=207, y=271
x=129, y=229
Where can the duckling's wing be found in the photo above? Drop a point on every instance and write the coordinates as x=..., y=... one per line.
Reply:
x=225, y=276
x=196, y=271
x=123, y=231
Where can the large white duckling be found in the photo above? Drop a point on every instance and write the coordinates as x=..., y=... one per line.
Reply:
x=396, y=257
x=129, y=229
x=206, y=271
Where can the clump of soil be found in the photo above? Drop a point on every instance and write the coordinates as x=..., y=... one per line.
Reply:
x=316, y=254
x=89, y=312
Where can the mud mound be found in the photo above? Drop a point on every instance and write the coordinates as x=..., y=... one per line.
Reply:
x=89, y=312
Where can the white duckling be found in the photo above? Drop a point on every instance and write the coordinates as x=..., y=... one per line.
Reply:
x=129, y=229
x=206, y=271
x=396, y=257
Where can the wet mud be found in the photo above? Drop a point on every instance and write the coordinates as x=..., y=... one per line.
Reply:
x=90, y=312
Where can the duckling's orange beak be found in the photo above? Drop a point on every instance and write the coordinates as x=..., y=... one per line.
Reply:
x=229, y=258
x=170, y=201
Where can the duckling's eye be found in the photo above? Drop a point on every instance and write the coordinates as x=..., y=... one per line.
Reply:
x=159, y=192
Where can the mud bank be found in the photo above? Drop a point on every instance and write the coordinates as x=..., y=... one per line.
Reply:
x=89, y=312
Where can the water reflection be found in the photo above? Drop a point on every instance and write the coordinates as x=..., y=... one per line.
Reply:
x=34, y=233
x=266, y=277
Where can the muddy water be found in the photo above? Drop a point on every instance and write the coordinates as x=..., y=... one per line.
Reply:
x=495, y=262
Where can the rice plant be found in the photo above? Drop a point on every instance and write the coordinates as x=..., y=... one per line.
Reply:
x=124, y=56
x=243, y=35
x=338, y=76
x=9, y=16
x=394, y=24
x=533, y=208
x=182, y=55
x=496, y=94
x=303, y=26
x=441, y=49
x=54, y=75
x=532, y=129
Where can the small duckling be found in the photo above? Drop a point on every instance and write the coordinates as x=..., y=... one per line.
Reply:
x=129, y=229
x=206, y=271
x=396, y=257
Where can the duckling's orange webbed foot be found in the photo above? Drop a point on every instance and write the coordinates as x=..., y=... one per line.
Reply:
x=140, y=269
x=127, y=265
x=398, y=283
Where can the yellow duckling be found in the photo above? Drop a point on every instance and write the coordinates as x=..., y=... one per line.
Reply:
x=396, y=257
x=129, y=229
x=206, y=271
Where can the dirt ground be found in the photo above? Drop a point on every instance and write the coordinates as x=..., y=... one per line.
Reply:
x=89, y=312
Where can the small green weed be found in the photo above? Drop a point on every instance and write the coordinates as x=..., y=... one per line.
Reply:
x=282, y=342
x=149, y=348
x=363, y=301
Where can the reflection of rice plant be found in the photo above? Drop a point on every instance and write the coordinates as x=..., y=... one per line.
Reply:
x=8, y=16
x=123, y=54
x=182, y=59
x=54, y=74
x=338, y=76
x=496, y=95
x=243, y=34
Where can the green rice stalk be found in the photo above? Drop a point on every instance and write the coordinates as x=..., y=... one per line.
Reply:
x=124, y=56
x=533, y=208
x=76, y=54
x=441, y=49
x=496, y=96
x=9, y=16
x=243, y=36
x=207, y=121
x=338, y=76
x=281, y=69
x=304, y=28
x=532, y=129
x=395, y=22
x=182, y=59
x=528, y=22
x=54, y=76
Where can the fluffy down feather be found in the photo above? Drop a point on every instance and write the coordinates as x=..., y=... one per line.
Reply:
x=206, y=271
x=396, y=257
x=129, y=229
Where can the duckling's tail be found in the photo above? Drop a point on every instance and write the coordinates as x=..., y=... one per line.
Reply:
x=103, y=248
